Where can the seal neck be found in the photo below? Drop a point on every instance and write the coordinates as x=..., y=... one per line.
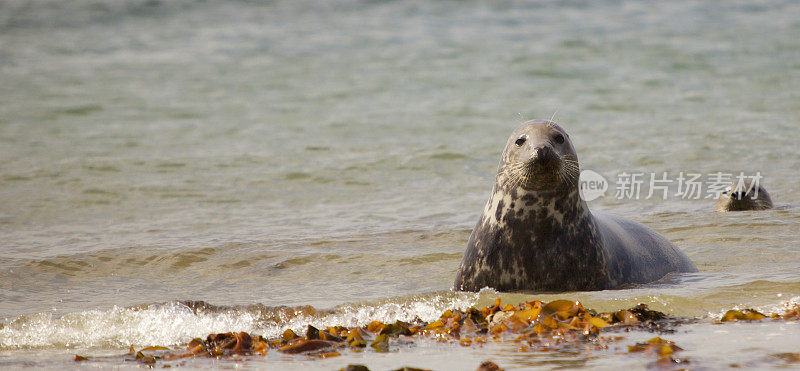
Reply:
x=540, y=207
x=548, y=237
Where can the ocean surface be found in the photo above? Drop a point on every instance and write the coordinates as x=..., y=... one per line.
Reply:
x=263, y=155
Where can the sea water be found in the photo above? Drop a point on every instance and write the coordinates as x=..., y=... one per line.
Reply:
x=263, y=155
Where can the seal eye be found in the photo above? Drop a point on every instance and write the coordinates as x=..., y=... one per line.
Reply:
x=559, y=138
x=520, y=141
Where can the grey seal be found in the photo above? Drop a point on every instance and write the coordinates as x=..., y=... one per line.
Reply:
x=744, y=196
x=537, y=234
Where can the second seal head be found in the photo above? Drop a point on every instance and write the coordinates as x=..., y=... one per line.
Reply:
x=744, y=196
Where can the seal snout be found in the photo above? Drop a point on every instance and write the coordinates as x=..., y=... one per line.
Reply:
x=543, y=153
x=542, y=157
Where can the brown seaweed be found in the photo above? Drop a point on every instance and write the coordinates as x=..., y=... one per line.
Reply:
x=307, y=345
x=742, y=315
x=489, y=366
x=662, y=349
x=534, y=326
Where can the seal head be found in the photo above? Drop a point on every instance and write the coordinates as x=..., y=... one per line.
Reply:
x=744, y=196
x=539, y=158
x=536, y=233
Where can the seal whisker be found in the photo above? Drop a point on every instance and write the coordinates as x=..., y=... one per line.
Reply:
x=570, y=170
x=516, y=174
x=554, y=115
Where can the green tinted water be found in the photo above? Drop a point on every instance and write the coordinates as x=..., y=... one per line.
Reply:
x=338, y=154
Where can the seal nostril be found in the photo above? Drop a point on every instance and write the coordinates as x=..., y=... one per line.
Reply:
x=543, y=153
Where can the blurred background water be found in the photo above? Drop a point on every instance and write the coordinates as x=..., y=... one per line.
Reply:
x=337, y=154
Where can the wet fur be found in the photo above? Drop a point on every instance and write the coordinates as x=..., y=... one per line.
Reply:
x=744, y=201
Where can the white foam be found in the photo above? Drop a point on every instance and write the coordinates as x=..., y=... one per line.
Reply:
x=175, y=323
x=427, y=308
x=164, y=324
x=768, y=310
